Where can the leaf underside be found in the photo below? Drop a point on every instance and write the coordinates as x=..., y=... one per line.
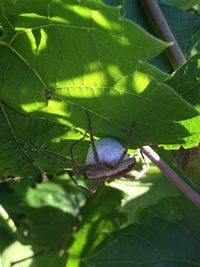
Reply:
x=60, y=58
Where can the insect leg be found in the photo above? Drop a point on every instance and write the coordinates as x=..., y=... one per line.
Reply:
x=125, y=150
x=141, y=173
x=95, y=186
x=74, y=165
x=50, y=157
x=78, y=185
x=145, y=167
x=30, y=158
x=96, y=156
x=129, y=176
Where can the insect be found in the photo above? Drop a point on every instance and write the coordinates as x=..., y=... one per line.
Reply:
x=106, y=160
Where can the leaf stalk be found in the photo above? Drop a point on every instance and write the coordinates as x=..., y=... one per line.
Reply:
x=163, y=31
x=180, y=184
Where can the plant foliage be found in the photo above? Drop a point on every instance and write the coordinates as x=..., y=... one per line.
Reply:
x=59, y=59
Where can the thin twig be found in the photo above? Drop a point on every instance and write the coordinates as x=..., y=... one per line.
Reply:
x=163, y=31
x=182, y=186
x=39, y=253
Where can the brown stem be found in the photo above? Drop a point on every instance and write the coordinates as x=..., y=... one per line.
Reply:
x=162, y=30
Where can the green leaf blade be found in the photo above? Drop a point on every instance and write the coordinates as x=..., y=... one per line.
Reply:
x=140, y=244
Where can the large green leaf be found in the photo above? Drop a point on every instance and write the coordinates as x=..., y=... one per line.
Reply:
x=179, y=210
x=43, y=225
x=186, y=81
x=59, y=196
x=26, y=256
x=166, y=234
x=9, y=255
x=61, y=58
x=155, y=241
x=141, y=194
x=20, y=130
x=6, y=236
x=100, y=217
x=187, y=33
x=80, y=229
x=57, y=45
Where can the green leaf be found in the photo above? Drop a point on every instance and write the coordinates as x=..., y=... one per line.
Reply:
x=37, y=66
x=179, y=210
x=167, y=234
x=44, y=224
x=18, y=152
x=154, y=107
x=187, y=33
x=51, y=259
x=8, y=200
x=26, y=256
x=57, y=68
x=186, y=81
x=53, y=52
x=152, y=71
x=54, y=195
x=100, y=217
x=6, y=236
x=144, y=193
x=154, y=242
x=15, y=252
x=193, y=167
x=48, y=230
